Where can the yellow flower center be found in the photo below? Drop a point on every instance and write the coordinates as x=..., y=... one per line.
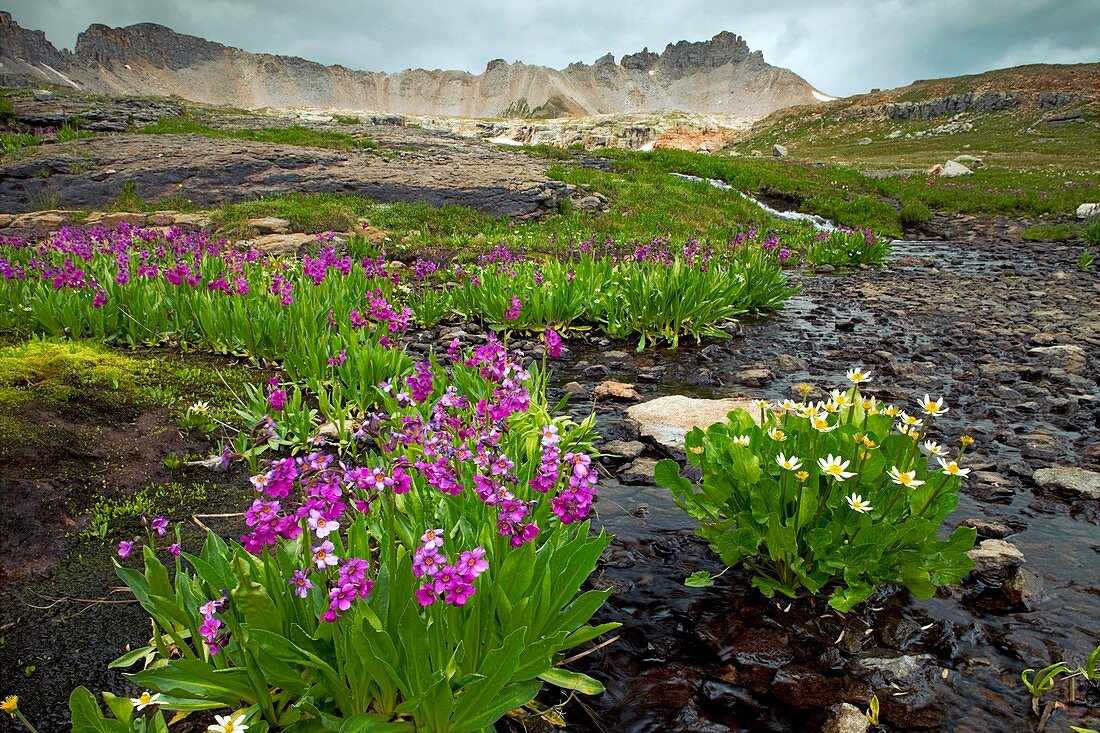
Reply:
x=834, y=469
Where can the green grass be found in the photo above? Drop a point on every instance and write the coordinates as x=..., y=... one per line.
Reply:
x=1051, y=233
x=293, y=135
x=11, y=142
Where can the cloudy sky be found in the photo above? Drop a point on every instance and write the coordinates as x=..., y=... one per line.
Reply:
x=840, y=46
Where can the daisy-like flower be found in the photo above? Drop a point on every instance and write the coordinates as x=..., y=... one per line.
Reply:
x=831, y=406
x=777, y=435
x=199, y=408
x=10, y=704
x=857, y=503
x=821, y=424
x=789, y=405
x=144, y=700
x=966, y=440
x=764, y=405
x=805, y=389
x=891, y=410
x=834, y=466
x=909, y=421
x=802, y=476
x=840, y=398
x=952, y=468
x=932, y=448
x=904, y=478
x=933, y=407
x=790, y=464
x=742, y=440
x=858, y=376
x=228, y=724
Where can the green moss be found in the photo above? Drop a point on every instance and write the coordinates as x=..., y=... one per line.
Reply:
x=1051, y=233
x=114, y=515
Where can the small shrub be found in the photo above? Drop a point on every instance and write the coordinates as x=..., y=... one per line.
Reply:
x=1090, y=233
x=914, y=215
x=347, y=119
x=835, y=498
x=846, y=247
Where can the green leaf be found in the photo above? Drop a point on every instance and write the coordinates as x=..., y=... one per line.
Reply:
x=699, y=579
x=569, y=680
x=373, y=723
x=667, y=475
x=131, y=658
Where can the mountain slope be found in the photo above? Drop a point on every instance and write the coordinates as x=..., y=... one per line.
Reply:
x=717, y=76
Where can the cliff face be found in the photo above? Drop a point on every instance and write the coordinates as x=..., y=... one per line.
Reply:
x=717, y=76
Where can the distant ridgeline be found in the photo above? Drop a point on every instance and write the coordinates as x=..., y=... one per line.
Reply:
x=717, y=76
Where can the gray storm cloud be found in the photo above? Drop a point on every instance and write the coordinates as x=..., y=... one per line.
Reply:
x=842, y=47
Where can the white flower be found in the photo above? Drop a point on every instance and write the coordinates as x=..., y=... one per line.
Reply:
x=933, y=407
x=904, y=478
x=791, y=464
x=777, y=435
x=227, y=724
x=840, y=398
x=821, y=424
x=952, y=468
x=858, y=376
x=835, y=467
x=856, y=502
x=932, y=448
x=199, y=408
x=144, y=700
x=742, y=440
x=789, y=405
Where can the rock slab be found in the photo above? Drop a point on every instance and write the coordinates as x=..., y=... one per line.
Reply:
x=667, y=420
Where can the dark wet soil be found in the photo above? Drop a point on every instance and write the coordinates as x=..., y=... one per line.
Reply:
x=950, y=318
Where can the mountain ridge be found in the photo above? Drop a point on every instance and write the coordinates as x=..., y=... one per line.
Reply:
x=719, y=75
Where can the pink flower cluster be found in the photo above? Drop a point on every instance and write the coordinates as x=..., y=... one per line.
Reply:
x=453, y=582
x=210, y=630
x=574, y=501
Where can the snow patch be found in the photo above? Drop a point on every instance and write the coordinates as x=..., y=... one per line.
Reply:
x=63, y=78
x=648, y=146
x=822, y=97
x=504, y=141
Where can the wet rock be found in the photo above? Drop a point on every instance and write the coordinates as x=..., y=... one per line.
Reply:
x=573, y=388
x=988, y=529
x=1069, y=480
x=995, y=560
x=753, y=377
x=662, y=693
x=1024, y=589
x=1062, y=356
x=638, y=473
x=845, y=718
x=628, y=449
x=613, y=390
x=824, y=269
x=693, y=720
x=804, y=688
x=666, y=420
x=910, y=684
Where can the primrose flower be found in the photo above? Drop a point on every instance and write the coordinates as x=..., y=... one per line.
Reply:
x=933, y=407
x=125, y=548
x=857, y=503
x=834, y=466
x=323, y=527
x=227, y=724
x=790, y=464
x=952, y=468
x=144, y=700
x=553, y=343
x=174, y=549
x=904, y=478
x=159, y=525
x=858, y=376
x=277, y=400
x=323, y=556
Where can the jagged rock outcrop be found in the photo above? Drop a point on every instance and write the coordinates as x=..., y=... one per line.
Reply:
x=720, y=76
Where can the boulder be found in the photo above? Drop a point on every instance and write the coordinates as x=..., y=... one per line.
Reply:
x=1069, y=480
x=1062, y=356
x=779, y=151
x=967, y=159
x=996, y=560
x=1084, y=211
x=628, y=449
x=196, y=221
x=953, y=169
x=638, y=473
x=270, y=225
x=863, y=141
x=935, y=170
x=667, y=420
x=279, y=244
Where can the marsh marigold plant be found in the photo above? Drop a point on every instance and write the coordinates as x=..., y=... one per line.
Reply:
x=835, y=498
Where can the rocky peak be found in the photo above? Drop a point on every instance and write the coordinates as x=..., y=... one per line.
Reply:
x=150, y=42
x=644, y=60
x=723, y=49
x=26, y=45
